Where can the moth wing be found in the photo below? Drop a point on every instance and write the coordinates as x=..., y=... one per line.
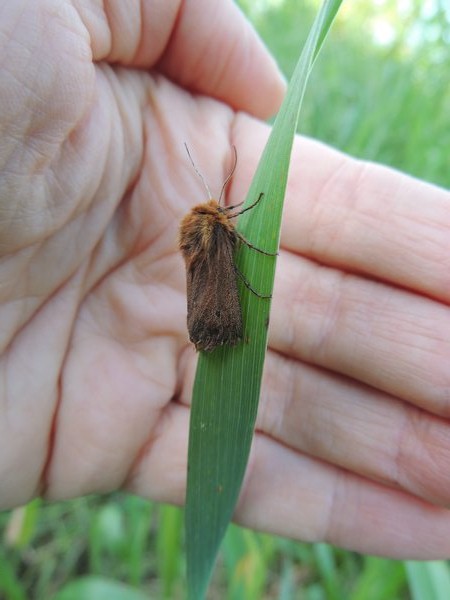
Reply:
x=214, y=310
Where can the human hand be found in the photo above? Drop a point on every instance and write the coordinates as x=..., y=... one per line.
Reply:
x=96, y=365
x=94, y=179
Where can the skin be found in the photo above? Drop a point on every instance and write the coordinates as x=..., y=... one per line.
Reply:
x=353, y=434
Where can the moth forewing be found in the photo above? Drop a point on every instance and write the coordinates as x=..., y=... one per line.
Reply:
x=214, y=311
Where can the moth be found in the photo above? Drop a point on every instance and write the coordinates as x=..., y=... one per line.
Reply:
x=207, y=240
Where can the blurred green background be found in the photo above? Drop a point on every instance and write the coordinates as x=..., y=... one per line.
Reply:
x=379, y=91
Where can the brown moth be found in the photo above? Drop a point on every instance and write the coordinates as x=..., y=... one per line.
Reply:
x=207, y=240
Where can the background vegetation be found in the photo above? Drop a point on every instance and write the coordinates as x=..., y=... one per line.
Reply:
x=379, y=91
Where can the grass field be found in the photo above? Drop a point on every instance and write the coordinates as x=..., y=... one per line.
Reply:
x=379, y=91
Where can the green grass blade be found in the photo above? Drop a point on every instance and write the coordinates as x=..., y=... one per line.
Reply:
x=379, y=579
x=168, y=548
x=227, y=383
x=100, y=588
x=430, y=580
x=326, y=565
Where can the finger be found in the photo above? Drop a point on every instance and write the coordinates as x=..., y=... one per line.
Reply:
x=299, y=497
x=368, y=218
x=355, y=215
x=295, y=496
x=388, y=338
x=206, y=46
x=356, y=427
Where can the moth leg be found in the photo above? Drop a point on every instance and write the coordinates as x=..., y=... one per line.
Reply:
x=260, y=197
x=247, y=284
x=247, y=243
x=245, y=280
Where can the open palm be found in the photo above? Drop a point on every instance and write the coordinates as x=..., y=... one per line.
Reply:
x=96, y=367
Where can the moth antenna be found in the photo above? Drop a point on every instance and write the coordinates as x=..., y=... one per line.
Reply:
x=230, y=175
x=198, y=172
